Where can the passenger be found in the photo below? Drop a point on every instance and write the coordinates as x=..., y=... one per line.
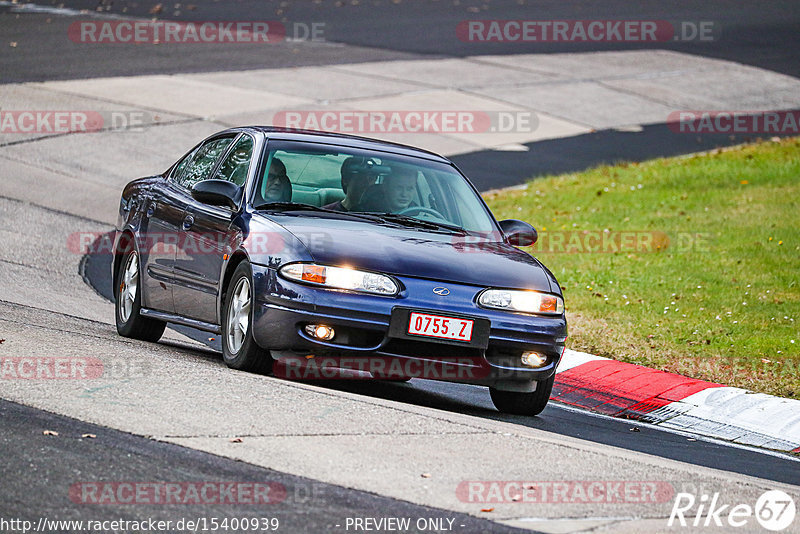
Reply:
x=354, y=183
x=400, y=188
x=279, y=188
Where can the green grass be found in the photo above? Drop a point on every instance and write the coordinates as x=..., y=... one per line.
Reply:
x=720, y=302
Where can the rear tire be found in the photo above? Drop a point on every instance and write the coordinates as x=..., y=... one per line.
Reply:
x=128, y=295
x=239, y=349
x=518, y=403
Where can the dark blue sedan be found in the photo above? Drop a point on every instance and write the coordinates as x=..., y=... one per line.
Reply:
x=317, y=255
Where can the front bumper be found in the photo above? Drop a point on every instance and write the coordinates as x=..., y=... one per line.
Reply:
x=363, y=341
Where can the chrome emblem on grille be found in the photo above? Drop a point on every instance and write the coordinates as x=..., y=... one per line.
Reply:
x=441, y=291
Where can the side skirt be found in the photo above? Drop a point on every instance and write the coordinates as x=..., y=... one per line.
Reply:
x=179, y=319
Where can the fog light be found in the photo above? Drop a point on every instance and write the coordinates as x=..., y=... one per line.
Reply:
x=533, y=359
x=320, y=331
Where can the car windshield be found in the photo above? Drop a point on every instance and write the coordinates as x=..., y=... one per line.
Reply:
x=403, y=190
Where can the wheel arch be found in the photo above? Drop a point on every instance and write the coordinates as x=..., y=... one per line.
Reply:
x=236, y=258
x=125, y=241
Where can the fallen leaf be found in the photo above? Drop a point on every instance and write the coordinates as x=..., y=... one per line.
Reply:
x=425, y=475
x=89, y=436
x=487, y=509
x=49, y=432
x=235, y=440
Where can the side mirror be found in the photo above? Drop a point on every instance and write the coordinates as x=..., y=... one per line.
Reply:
x=519, y=233
x=217, y=193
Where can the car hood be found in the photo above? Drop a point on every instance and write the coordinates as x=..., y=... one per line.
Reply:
x=417, y=253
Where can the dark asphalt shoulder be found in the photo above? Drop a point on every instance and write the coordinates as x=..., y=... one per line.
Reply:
x=38, y=471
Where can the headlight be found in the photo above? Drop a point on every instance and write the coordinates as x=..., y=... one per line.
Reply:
x=340, y=278
x=522, y=301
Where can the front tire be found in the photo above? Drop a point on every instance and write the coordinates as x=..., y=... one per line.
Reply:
x=239, y=349
x=128, y=295
x=518, y=403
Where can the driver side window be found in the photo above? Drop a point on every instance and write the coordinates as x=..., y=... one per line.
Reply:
x=202, y=162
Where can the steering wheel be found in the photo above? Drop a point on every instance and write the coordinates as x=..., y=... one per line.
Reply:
x=417, y=210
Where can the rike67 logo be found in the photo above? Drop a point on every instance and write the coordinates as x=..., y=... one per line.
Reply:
x=774, y=510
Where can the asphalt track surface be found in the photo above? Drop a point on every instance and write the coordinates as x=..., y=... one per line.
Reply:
x=762, y=34
x=489, y=170
x=42, y=489
x=765, y=35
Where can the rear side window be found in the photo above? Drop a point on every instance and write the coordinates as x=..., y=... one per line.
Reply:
x=202, y=162
x=234, y=168
x=177, y=172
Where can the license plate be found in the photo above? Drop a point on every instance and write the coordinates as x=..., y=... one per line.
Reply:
x=423, y=324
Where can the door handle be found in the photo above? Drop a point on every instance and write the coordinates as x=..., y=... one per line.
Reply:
x=188, y=221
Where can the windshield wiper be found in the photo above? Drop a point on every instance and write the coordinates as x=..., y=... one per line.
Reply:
x=299, y=206
x=285, y=206
x=405, y=220
x=392, y=219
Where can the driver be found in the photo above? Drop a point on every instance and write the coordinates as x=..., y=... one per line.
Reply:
x=400, y=189
x=278, y=187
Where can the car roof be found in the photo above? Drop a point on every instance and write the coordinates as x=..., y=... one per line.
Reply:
x=292, y=134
